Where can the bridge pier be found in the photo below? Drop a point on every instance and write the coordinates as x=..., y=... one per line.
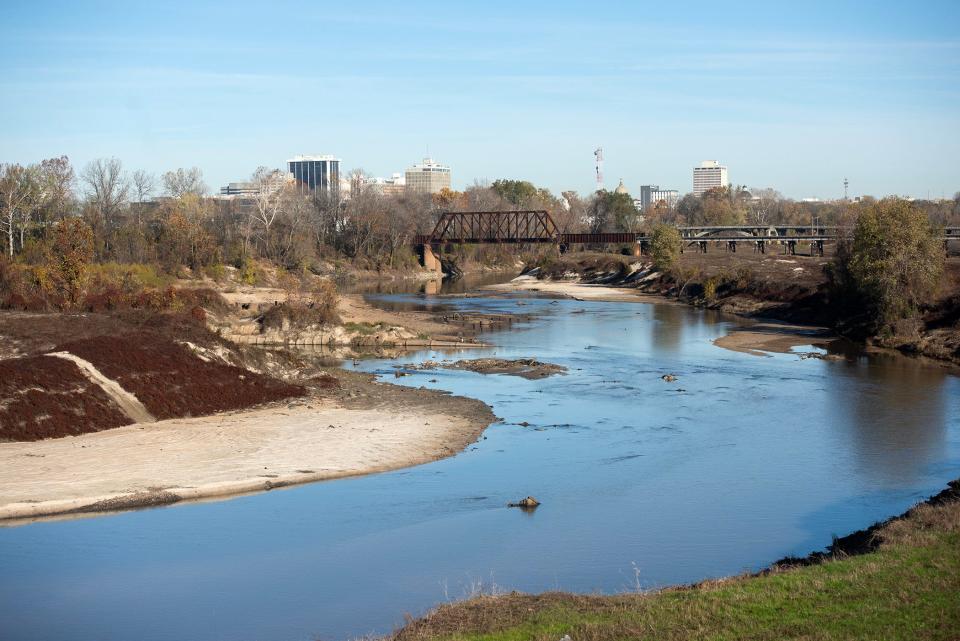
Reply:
x=430, y=260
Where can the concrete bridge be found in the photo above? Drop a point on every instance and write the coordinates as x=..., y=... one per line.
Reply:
x=537, y=226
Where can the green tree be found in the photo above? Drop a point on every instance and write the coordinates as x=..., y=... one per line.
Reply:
x=893, y=263
x=610, y=211
x=665, y=244
x=517, y=192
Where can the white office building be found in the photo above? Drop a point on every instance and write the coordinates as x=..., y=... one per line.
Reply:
x=429, y=177
x=708, y=175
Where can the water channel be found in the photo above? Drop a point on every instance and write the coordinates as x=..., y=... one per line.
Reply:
x=741, y=461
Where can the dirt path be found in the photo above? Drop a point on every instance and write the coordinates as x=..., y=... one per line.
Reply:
x=127, y=402
x=168, y=461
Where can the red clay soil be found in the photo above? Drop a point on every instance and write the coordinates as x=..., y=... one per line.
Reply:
x=45, y=397
x=171, y=381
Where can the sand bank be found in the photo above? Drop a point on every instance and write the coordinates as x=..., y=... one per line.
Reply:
x=147, y=464
x=762, y=338
x=577, y=291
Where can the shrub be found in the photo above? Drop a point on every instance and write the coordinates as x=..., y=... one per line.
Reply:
x=214, y=272
x=665, y=245
x=72, y=250
x=316, y=305
x=710, y=286
x=892, y=264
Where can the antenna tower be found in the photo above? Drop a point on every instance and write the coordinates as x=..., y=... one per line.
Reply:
x=598, y=154
x=846, y=183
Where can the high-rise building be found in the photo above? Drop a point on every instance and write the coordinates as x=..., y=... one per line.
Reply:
x=316, y=173
x=428, y=177
x=650, y=195
x=708, y=175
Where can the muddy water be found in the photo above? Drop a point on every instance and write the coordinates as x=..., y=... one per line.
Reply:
x=739, y=462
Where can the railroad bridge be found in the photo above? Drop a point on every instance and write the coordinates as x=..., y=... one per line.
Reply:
x=537, y=226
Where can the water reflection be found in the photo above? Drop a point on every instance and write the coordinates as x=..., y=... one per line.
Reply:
x=666, y=330
x=893, y=412
x=430, y=287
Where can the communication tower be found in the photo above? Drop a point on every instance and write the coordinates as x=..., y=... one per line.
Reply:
x=598, y=154
x=846, y=183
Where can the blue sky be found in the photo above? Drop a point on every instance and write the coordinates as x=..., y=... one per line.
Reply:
x=790, y=95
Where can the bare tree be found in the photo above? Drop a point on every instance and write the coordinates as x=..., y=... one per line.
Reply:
x=57, y=182
x=107, y=188
x=144, y=184
x=761, y=205
x=18, y=193
x=268, y=201
x=359, y=179
x=181, y=182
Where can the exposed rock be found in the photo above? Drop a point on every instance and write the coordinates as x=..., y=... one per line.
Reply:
x=527, y=503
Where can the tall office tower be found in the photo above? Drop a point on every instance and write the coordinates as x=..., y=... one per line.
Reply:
x=708, y=175
x=316, y=173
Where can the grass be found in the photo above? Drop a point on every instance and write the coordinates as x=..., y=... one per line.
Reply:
x=908, y=588
x=365, y=329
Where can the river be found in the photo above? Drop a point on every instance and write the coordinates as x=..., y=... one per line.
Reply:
x=643, y=483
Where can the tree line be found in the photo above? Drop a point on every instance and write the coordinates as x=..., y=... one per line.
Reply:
x=169, y=220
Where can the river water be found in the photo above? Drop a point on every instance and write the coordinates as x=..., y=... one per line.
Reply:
x=741, y=461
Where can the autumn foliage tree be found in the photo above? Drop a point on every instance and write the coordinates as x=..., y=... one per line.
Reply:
x=71, y=251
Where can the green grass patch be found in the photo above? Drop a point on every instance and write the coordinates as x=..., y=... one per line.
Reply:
x=363, y=328
x=907, y=589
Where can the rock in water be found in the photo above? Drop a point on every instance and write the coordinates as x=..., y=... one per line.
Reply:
x=669, y=378
x=527, y=502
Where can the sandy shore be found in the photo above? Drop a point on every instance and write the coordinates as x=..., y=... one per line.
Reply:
x=762, y=338
x=578, y=291
x=148, y=464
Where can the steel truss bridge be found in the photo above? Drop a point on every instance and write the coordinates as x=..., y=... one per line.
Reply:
x=536, y=226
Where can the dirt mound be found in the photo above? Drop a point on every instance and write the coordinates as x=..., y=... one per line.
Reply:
x=171, y=381
x=46, y=397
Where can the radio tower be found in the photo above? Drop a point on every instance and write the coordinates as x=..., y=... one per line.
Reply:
x=598, y=153
x=846, y=183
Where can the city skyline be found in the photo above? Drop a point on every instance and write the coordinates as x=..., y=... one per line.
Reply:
x=847, y=91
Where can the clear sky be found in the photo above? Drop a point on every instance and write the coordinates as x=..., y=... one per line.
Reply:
x=793, y=95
